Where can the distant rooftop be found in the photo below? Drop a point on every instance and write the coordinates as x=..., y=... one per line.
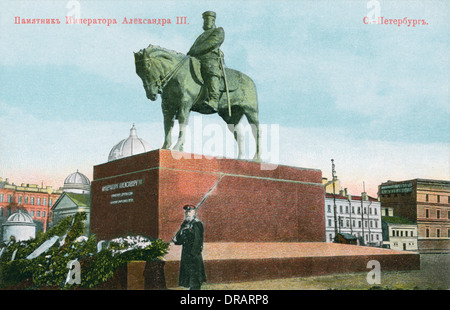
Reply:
x=397, y=220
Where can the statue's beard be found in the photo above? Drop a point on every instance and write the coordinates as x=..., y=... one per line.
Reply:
x=208, y=26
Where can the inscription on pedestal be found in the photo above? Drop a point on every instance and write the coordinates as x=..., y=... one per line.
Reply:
x=124, y=197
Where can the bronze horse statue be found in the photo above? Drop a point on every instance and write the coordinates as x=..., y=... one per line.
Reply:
x=173, y=76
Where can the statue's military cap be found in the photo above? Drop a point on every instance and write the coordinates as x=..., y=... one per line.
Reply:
x=209, y=13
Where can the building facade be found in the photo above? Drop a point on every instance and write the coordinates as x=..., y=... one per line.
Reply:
x=76, y=197
x=19, y=226
x=359, y=216
x=36, y=200
x=398, y=233
x=425, y=202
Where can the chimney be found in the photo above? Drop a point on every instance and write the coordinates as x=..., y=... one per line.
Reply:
x=364, y=196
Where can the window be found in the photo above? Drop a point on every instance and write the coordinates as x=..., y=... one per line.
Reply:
x=38, y=214
x=9, y=198
x=359, y=224
x=438, y=232
x=348, y=223
x=427, y=197
x=393, y=233
x=2, y=196
x=346, y=209
x=32, y=200
x=331, y=237
x=401, y=233
x=340, y=209
x=427, y=232
x=412, y=235
x=427, y=213
x=329, y=209
x=26, y=200
x=438, y=214
x=359, y=210
x=438, y=198
x=406, y=233
x=448, y=198
x=353, y=210
x=20, y=200
x=365, y=210
x=44, y=201
x=50, y=202
x=43, y=213
x=329, y=223
x=375, y=210
x=32, y=213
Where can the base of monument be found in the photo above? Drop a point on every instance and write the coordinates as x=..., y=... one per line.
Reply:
x=242, y=262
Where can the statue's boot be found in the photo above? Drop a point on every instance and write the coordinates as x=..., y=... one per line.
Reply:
x=213, y=84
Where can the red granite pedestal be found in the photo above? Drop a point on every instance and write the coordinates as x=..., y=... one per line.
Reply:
x=145, y=193
x=260, y=221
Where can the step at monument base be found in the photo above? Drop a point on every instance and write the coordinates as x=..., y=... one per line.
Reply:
x=246, y=261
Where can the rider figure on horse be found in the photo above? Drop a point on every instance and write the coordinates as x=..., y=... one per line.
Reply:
x=206, y=50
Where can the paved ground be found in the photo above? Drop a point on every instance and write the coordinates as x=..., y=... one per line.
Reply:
x=434, y=274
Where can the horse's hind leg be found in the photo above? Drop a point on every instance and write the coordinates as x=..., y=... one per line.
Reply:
x=235, y=130
x=254, y=123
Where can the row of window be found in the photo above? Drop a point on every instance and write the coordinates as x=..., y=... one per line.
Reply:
x=25, y=200
x=372, y=224
x=358, y=210
x=438, y=213
x=409, y=243
x=438, y=233
x=439, y=198
x=5, y=212
x=400, y=233
x=38, y=213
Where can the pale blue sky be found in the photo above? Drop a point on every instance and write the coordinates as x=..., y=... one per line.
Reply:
x=374, y=97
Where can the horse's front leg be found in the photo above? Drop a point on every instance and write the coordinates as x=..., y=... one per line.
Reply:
x=168, y=125
x=183, y=118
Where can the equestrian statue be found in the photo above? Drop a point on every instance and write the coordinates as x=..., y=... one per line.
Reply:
x=199, y=82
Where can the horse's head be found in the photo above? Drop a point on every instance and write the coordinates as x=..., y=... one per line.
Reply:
x=148, y=73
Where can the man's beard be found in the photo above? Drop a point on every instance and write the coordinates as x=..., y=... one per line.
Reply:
x=189, y=218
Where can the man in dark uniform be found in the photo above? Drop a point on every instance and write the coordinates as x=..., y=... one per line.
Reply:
x=206, y=50
x=190, y=236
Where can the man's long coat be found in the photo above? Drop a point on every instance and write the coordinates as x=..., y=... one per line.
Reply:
x=192, y=270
